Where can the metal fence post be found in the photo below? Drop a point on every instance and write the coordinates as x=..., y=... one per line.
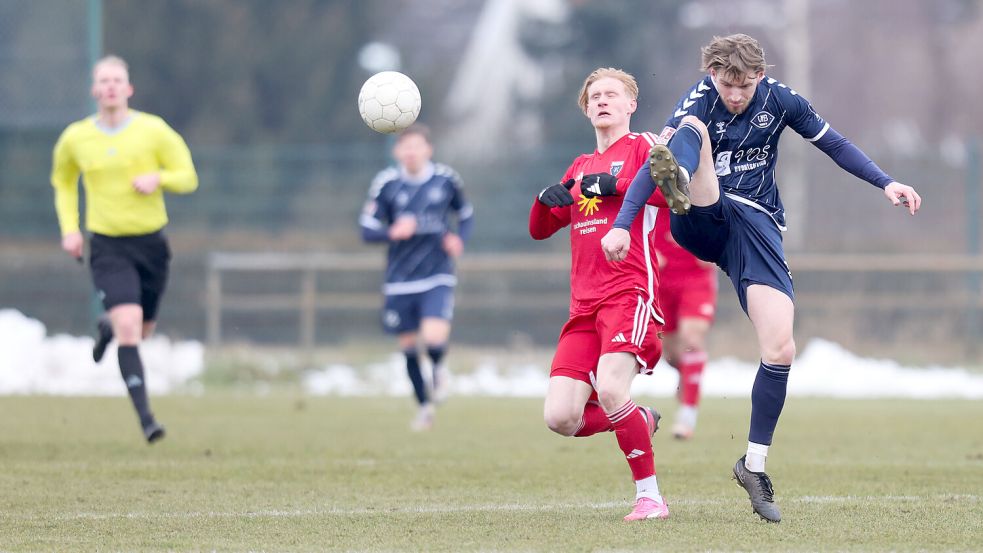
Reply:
x=308, y=306
x=213, y=303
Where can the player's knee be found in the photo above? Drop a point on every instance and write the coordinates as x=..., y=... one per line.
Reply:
x=696, y=123
x=780, y=353
x=563, y=423
x=611, y=398
x=128, y=333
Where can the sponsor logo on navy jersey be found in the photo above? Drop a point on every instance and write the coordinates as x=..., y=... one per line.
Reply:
x=762, y=119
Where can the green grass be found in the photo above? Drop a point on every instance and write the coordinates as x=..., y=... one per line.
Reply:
x=287, y=473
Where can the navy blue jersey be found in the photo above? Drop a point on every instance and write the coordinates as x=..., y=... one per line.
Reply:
x=745, y=146
x=419, y=263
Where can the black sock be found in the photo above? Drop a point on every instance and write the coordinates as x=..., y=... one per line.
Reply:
x=131, y=368
x=436, y=354
x=416, y=377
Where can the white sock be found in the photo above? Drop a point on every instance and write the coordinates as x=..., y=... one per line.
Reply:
x=756, y=455
x=685, y=173
x=686, y=415
x=647, y=487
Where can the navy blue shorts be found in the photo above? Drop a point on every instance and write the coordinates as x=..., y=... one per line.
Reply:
x=130, y=269
x=403, y=313
x=741, y=240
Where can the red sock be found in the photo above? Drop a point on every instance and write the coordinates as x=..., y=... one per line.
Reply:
x=634, y=439
x=690, y=373
x=594, y=421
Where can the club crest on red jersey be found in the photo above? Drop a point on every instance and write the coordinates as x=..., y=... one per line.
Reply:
x=616, y=167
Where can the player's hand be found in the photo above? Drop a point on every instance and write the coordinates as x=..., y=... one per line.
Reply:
x=557, y=195
x=72, y=244
x=616, y=244
x=902, y=194
x=599, y=184
x=453, y=244
x=147, y=183
x=403, y=228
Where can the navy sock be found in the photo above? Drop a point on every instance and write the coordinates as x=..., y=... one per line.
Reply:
x=131, y=368
x=416, y=377
x=436, y=354
x=767, y=400
x=685, y=147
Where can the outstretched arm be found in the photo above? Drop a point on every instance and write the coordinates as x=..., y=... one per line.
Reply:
x=855, y=161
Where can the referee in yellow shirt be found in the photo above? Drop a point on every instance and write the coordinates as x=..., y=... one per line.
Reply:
x=127, y=160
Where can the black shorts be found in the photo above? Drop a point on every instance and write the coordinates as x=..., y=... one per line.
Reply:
x=130, y=269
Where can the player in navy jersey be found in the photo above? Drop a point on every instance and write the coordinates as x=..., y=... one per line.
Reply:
x=408, y=207
x=718, y=176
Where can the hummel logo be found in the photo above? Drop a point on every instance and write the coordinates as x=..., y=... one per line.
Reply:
x=635, y=453
x=133, y=381
x=594, y=189
x=619, y=338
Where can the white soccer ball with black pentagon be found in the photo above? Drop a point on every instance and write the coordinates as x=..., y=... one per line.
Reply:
x=389, y=102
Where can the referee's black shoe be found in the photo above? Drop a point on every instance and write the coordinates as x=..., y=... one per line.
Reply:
x=105, y=335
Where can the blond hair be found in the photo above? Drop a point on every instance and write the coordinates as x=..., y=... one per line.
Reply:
x=631, y=87
x=111, y=60
x=737, y=56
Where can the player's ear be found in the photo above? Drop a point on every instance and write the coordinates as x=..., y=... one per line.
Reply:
x=632, y=106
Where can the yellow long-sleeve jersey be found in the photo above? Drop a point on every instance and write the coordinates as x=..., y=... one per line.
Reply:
x=108, y=162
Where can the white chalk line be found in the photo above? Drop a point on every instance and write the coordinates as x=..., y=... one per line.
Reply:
x=474, y=508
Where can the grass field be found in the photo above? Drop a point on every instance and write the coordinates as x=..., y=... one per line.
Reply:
x=287, y=473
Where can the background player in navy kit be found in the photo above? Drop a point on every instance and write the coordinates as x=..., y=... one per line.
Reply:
x=408, y=207
x=719, y=167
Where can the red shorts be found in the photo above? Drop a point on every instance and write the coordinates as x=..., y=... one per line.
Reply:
x=687, y=294
x=622, y=323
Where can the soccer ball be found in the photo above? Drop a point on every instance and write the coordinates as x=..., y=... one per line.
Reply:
x=389, y=102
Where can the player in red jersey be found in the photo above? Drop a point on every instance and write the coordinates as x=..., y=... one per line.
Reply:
x=612, y=334
x=688, y=298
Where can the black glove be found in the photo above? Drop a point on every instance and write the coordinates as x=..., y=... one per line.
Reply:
x=557, y=195
x=599, y=184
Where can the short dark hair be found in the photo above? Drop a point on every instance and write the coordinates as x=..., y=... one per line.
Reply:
x=418, y=129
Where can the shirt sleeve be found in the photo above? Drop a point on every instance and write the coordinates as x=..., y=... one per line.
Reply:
x=177, y=175
x=375, y=218
x=851, y=158
x=465, y=211
x=641, y=189
x=544, y=221
x=800, y=116
x=696, y=102
x=64, y=178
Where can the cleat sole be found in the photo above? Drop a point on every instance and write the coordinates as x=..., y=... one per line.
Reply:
x=665, y=172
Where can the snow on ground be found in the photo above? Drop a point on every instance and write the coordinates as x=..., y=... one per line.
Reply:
x=31, y=362
x=823, y=369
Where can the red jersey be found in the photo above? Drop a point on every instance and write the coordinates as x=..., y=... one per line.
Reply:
x=592, y=277
x=673, y=258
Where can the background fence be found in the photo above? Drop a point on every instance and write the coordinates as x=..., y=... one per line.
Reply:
x=285, y=162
